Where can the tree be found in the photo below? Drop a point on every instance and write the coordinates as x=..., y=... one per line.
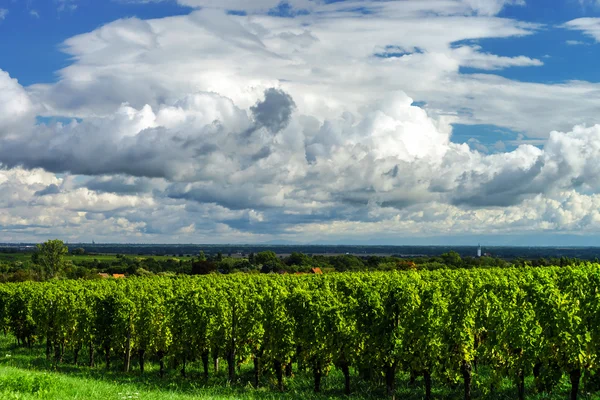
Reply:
x=203, y=267
x=49, y=256
x=347, y=262
x=267, y=257
x=79, y=252
x=452, y=259
x=270, y=266
x=299, y=259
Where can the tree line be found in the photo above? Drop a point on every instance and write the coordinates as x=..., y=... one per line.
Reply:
x=442, y=325
x=48, y=261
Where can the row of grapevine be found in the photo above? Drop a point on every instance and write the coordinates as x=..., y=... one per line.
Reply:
x=440, y=325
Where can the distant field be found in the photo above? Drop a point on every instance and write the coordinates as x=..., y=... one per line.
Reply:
x=12, y=257
x=112, y=257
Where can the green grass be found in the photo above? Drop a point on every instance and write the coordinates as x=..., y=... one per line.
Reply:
x=12, y=257
x=25, y=374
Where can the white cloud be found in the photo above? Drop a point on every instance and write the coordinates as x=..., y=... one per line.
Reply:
x=472, y=57
x=3, y=13
x=589, y=26
x=492, y=7
x=565, y=212
x=16, y=107
x=479, y=7
x=75, y=214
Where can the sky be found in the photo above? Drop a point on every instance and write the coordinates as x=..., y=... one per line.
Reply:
x=303, y=121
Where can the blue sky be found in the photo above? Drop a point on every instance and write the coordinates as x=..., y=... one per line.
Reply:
x=40, y=26
x=303, y=120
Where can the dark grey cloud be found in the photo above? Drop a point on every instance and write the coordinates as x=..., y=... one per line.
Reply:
x=393, y=172
x=50, y=189
x=119, y=184
x=95, y=216
x=130, y=143
x=506, y=188
x=262, y=153
x=233, y=197
x=206, y=149
x=275, y=111
x=277, y=221
x=79, y=151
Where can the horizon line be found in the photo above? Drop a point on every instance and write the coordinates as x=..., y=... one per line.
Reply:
x=307, y=245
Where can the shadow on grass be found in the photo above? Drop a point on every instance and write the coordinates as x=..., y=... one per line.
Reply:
x=298, y=387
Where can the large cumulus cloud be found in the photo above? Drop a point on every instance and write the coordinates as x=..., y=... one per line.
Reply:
x=391, y=154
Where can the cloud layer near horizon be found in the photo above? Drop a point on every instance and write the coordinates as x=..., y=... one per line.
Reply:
x=219, y=127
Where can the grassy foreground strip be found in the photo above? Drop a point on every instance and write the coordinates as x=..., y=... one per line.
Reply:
x=22, y=384
x=25, y=374
x=22, y=376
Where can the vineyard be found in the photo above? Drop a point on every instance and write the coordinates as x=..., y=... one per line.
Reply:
x=440, y=326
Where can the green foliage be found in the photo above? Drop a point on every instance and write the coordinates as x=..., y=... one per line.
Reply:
x=38, y=384
x=268, y=260
x=346, y=263
x=20, y=267
x=452, y=259
x=203, y=267
x=49, y=256
x=299, y=259
x=516, y=322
